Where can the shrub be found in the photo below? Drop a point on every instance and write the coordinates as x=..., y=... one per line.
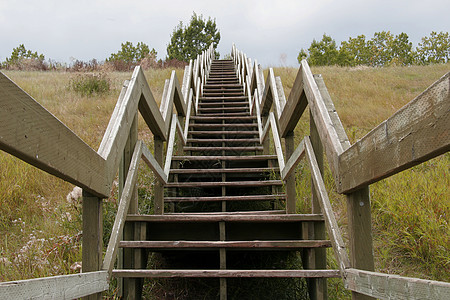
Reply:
x=89, y=84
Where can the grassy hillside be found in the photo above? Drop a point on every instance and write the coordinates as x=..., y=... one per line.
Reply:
x=40, y=229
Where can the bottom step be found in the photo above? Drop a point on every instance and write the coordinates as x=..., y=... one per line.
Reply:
x=227, y=273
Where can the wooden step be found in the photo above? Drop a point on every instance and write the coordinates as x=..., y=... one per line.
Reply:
x=220, y=140
x=206, y=104
x=226, y=217
x=232, y=213
x=209, y=118
x=203, y=110
x=226, y=273
x=225, y=132
x=249, y=148
x=239, y=114
x=226, y=198
x=207, y=245
x=240, y=125
x=225, y=158
x=224, y=183
x=215, y=171
x=225, y=85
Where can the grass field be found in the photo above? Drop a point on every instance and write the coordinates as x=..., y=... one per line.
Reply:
x=40, y=228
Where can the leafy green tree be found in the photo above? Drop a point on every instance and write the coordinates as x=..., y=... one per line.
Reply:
x=303, y=54
x=132, y=55
x=434, y=49
x=187, y=42
x=322, y=53
x=20, y=53
x=401, y=50
x=354, y=52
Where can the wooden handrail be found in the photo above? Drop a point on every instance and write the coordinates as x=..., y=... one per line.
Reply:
x=71, y=286
x=32, y=134
x=417, y=132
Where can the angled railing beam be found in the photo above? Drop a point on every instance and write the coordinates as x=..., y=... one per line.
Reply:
x=31, y=133
x=294, y=107
x=417, y=132
x=119, y=222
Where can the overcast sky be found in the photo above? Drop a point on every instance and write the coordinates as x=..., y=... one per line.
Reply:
x=271, y=31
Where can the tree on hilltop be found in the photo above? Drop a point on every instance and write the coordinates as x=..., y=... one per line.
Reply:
x=187, y=42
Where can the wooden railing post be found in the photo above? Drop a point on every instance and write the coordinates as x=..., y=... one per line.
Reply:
x=360, y=233
x=290, y=180
x=159, y=186
x=132, y=287
x=92, y=249
x=317, y=287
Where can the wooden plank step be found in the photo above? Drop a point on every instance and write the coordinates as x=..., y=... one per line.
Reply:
x=226, y=85
x=209, y=118
x=224, y=157
x=224, y=93
x=215, y=109
x=232, y=213
x=204, y=99
x=220, y=140
x=204, y=245
x=216, y=132
x=226, y=273
x=223, y=102
x=226, y=217
x=224, y=183
x=245, y=125
x=226, y=198
x=239, y=114
x=250, y=148
x=220, y=171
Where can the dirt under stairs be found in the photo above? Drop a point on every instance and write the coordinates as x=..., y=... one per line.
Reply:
x=225, y=219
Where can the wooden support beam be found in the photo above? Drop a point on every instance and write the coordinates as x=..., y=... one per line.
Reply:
x=124, y=204
x=295, y=106
x=291, y=193
x=32, y=134
x=330, y=220
x=159, y=185
x=92, y=242
x=317, y=287
x=360, y=233
x=416, y=133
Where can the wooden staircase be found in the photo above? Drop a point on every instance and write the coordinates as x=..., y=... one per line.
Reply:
x=225, y=201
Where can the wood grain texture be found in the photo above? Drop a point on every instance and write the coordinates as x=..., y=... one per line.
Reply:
x=226, y=273
x=119, y=222
x=153, y=164
x=293, y=161
x=337, y=124
x=322, y=119
x=388, y=286
x=173, y=96
x=330, y=220
x=227, y=218
x=417, y=132
x=294, y=107
x=31, y=133
x=285, y=244
x=56, y=287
